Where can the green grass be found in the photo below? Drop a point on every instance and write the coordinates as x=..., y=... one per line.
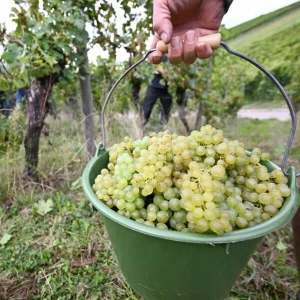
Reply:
x=265, y=104
x=266, y=29
x=66, y=253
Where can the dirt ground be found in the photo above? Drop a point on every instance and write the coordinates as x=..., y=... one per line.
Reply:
x=281, y=114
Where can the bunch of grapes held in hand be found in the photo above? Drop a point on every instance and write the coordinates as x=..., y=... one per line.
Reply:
x=200, y=183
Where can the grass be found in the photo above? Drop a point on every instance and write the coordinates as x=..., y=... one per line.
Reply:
x=64, y=252
x=265, y=104
x=266, y=29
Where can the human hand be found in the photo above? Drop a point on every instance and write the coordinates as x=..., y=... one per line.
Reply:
x=179, y=23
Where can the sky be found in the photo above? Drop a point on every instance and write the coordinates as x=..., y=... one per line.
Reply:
x=239, y=12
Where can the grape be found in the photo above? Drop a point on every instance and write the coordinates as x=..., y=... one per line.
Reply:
x=162, y=226
x=162, y=216
x=200, y=183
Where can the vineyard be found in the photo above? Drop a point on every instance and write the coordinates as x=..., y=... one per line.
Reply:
x=53, y=244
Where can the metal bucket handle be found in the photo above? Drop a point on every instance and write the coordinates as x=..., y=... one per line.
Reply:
x=243, y=56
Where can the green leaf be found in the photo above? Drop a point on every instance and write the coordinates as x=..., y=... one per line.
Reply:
x=79, y=24
x=43, y=207
x=281, y=246
x=9, y=57
x=5, y=239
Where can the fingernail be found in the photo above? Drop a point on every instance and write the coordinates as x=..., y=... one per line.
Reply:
x=190, y=37
x=175, y=43
x=164, y=37
x=155, y=58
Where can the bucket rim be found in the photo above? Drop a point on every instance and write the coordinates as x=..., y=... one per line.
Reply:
x=285, y=214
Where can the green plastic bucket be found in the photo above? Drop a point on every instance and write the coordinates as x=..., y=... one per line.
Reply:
x=168, y=265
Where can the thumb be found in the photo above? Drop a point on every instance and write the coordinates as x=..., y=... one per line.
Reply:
x=162, y=21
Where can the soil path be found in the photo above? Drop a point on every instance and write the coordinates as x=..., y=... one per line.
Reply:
x=281, y=114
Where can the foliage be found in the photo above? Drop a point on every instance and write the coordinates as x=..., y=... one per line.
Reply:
x=42, y=44
x=104, y=75
x=261, y=87
x=205, y=81
x=278, y=54
x=11, y=131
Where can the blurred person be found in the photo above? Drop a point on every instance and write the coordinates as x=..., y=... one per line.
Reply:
x=158, y=88
x=20, y=94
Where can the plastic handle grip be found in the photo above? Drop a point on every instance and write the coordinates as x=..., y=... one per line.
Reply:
x=213, y=40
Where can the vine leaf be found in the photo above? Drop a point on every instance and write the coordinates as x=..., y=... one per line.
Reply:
x=43, y=207
x=5, y=239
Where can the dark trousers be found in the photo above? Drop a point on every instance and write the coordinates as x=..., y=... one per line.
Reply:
x=165, y=98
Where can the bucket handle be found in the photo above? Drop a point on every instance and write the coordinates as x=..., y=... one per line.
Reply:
x=240, y=55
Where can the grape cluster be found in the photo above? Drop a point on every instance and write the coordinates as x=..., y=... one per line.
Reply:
x=200, y=183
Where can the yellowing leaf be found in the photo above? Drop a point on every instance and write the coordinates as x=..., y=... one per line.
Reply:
x=43, y=207
x=281, y=246
x=5, y=239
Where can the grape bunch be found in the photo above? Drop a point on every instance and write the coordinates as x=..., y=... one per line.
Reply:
x=197, y=183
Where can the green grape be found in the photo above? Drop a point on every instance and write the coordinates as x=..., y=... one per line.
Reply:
x=162, y=226
x=202, y=225
x=169, y=194
x=240, y=208
x=149, y=223
x=180, y=216
x=172, y=222
x=164, y=205
x=152, y=207
x=174, y=204
x=198, y=199
x=265, y=156
x=143, y=213
x=284, y=189
x=241, y=222
x=216, y=226
x=121, y=204
x=151, y=216
x=270, y=210
x=130, y=207
x=136, y=215
x=265, y=198
x=217, y=172
x=180, y=227
x=200, y=183
x=162, y=217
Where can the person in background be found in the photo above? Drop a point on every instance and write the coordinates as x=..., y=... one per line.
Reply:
x=180, y=23
x=158, y=88
x=20, y=94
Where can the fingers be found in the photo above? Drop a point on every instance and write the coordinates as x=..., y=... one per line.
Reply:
x=162, y=20
x=187, y=50
x=175, y=50
x=203, y=50
x=156, y=56
x=189, y=47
